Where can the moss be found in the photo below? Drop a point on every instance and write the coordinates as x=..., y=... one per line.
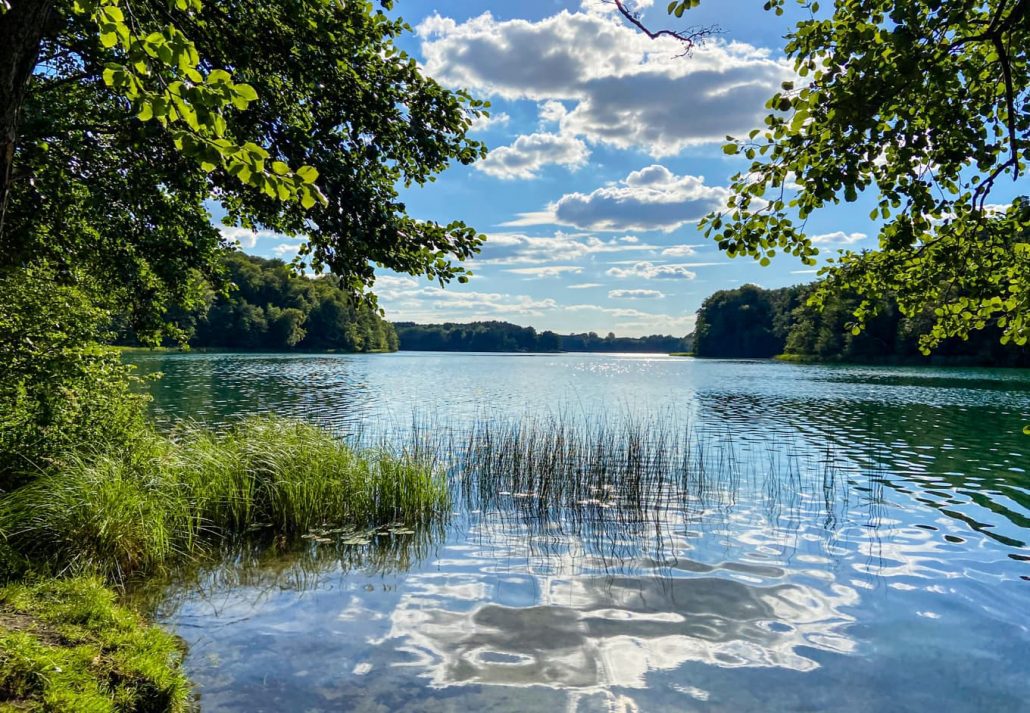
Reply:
x=66, y=645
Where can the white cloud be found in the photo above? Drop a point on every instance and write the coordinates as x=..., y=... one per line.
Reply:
x=584, y=286
x=838, y=238
x=634, y=321
x=680, y=251
x=653, y=198
x=286, y=249
x=548, y=271
x=636, y=295
x=485, y=123
x=650, y=271
x=552, y=112
x=247, y=238
x=530, y=153
x=625, y=89
x=515, y=248
x=406, y=300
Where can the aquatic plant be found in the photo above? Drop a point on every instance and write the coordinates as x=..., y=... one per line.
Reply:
x=624, y=484
x=137, y=510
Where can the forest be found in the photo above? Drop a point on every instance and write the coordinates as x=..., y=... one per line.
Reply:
x=272, y=307
x=506, y=337
x=752, y=322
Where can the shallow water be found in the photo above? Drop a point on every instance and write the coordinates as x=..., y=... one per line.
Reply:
x=855, y=540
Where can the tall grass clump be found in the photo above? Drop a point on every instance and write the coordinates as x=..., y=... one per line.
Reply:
x=140, y=509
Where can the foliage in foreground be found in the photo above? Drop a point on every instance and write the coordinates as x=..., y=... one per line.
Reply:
x=59, y=389
x=66, y=646
x=117, y=189
x=922, y=106
x=143, y=508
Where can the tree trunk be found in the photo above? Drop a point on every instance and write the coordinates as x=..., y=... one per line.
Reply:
x=21, y=32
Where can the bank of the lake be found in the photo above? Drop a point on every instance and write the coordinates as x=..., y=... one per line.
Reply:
x=117, y=515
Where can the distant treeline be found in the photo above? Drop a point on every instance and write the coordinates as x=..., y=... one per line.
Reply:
x=273, y=308
x=507, y=337
x=752, y=322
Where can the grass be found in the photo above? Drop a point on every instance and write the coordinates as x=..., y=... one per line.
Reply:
x=66, y=646
x=121, y=514
x=797, y=358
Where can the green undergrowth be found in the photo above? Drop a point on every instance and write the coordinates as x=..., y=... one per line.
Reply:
x=138, y=510
x=65, y=645
x=796, y=358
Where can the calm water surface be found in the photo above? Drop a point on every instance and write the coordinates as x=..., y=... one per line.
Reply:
x=850, y=539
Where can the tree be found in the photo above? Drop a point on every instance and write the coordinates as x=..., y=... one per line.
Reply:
x=743, y=323
x=925, y=105
x=271, y=307
x=128, y=129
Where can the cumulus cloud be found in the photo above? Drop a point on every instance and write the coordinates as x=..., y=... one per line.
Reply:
x=552, y=112
x=650, y=271
x=548, y=271
x=633, y=321
x=624, y=89
x=838, y=238
x=584, y=285
x=653, y=198
x=515, y=248
x=484, y=123
x=286, y=249
x=407, y=299
x=530, y=153
x=433, y=304
x=680, y=251
x=636, y=295
x=246, y=238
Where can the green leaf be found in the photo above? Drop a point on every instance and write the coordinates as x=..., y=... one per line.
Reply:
x=246, y=92
x=308, y=174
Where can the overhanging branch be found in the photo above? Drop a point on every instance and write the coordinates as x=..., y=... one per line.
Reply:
x=690, y=39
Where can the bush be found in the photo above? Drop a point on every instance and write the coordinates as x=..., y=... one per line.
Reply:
x=60, y=391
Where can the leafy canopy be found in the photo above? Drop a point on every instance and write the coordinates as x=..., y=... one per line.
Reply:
x=131, y=131
x=925, y=106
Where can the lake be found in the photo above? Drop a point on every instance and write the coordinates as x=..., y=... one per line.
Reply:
x=830, y=538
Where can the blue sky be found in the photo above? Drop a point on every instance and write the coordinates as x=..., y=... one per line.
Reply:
x=606, y=149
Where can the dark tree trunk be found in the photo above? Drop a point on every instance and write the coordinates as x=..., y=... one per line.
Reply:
x=21, y=31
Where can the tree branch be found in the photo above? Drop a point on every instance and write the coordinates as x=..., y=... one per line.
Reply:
x=690, y=39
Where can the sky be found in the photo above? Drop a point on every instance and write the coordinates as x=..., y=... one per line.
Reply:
x=606, y=149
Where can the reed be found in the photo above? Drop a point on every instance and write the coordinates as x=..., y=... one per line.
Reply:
x=167, y=498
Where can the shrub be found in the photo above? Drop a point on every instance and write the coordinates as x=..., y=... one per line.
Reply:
x=60, y=391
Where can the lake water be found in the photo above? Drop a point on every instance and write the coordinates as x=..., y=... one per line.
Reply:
x=847, y=539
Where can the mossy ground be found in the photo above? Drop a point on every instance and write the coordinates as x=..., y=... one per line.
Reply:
x=66, y=645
